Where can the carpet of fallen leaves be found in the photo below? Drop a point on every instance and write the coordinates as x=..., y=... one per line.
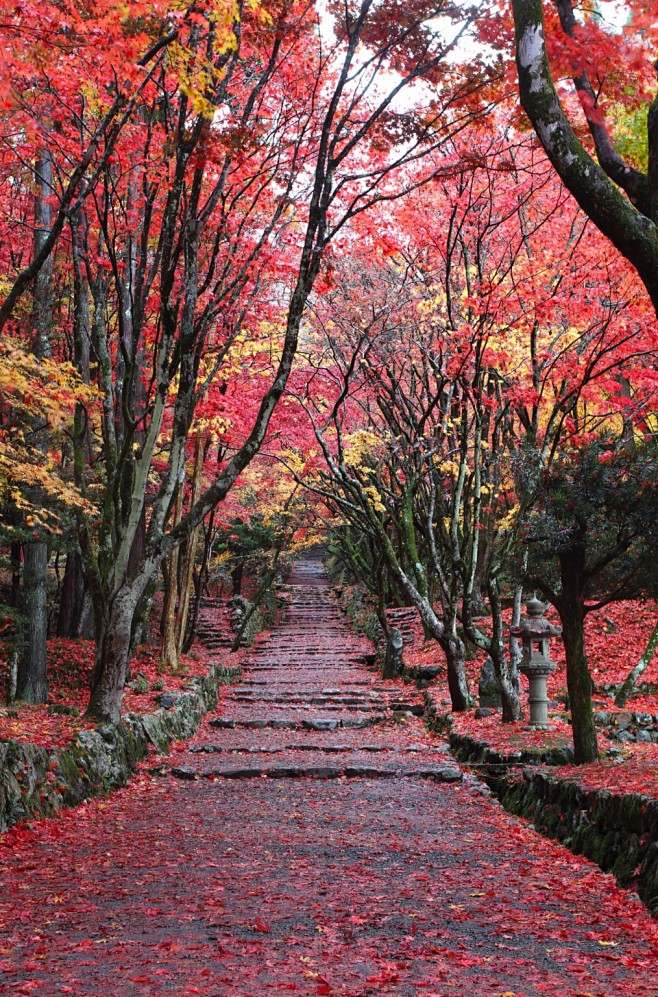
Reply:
x=70, y=664
x=341, y=887
x=344, y=888
x=509, y=738
x=616, y=638
x=635, y=772
x=69, y=670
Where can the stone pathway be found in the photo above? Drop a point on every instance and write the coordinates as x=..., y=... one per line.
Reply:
x=308, y=681
x=313, y=839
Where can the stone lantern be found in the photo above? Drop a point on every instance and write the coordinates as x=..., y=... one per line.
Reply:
x=534, y=634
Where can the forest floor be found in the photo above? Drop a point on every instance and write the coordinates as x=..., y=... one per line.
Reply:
x=70, y=664
x=313, y=838
x=616, y=639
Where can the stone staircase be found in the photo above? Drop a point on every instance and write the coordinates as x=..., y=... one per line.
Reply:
x=307, y=707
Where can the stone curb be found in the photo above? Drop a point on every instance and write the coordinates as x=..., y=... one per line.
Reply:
x=38, y=782
x=617, y=831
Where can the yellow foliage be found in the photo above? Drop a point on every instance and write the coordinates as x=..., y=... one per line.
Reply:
x=217, y=426
x=292, y=459
x=39, y=393
x=509, y=520
x=450, y=467
x=360, y=445
x=41, y=388
x=374, y=498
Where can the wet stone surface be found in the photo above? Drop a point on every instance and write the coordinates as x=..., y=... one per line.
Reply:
x=289, y=851
x=307, y=682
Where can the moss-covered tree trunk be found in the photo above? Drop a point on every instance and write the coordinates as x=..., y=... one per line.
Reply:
x=579, y=683
x=629, y=222
x=32, y=684
x=460, y=696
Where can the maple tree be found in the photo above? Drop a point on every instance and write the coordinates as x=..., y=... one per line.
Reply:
x=611, y=69
x=444, y=394
x=199, y=196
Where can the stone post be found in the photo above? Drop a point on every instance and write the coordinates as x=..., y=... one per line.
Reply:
x=393, y=660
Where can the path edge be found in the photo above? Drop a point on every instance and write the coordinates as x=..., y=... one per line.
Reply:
x=619, y=832
x=37, y=782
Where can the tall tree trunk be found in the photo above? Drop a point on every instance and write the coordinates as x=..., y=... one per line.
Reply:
x=504, y=666
x=509, y=697
x=579, y=683
x=113, y=639
x=200, y=580
x=15, y=573
x=188, y=552
x=169, y=646
x=72, y=597
x=31, y=684
x=460, y=697
x=495, y=646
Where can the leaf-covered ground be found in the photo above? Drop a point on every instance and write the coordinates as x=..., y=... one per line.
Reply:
x=635, y=773
x=236, y=887
x=616, y=638
x=347, y=887
x=70, y=664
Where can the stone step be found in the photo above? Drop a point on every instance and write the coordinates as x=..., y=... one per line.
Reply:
x=287, y=703
x=335, y=668
x=295, y=723
x=354, y=680
x=332, y=749
x=443, y=773
x=308, y=696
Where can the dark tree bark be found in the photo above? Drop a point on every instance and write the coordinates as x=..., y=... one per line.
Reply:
x=571, y=607
x=236, y=578
x=393, y=661
x=32, y=685
x=72, y=597
x=15, y=573
x=200, y=580
x=629, y=222
x=503, y=663
x=460, y=697
x=113, y=641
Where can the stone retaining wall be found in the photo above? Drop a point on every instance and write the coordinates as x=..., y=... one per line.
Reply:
x=36, y=781
x=617, y=831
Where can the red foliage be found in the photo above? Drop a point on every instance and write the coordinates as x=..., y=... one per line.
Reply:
x=635, y=772
x=70, y=663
